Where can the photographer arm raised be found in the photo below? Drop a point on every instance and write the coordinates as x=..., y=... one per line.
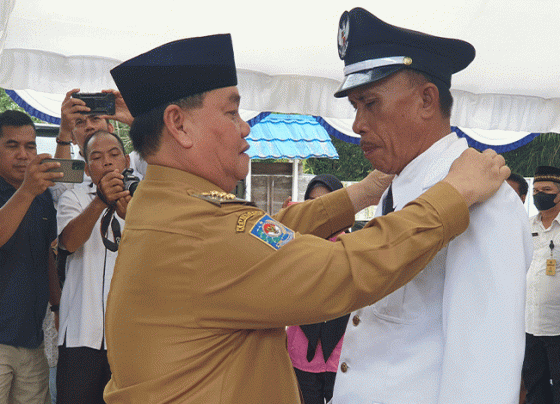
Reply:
x=69, y=112
x=122, y=114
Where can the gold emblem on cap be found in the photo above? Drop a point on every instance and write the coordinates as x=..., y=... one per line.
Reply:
x=407, y=61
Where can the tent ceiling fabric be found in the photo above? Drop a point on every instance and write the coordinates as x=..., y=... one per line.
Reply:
x=289, y=63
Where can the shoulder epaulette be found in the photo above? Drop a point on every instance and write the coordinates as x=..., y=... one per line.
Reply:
x=222, y=198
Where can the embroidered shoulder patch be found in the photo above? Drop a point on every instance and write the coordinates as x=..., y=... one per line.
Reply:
x=272, y=232
x=242, y=221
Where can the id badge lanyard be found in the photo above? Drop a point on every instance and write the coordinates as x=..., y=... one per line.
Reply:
x=551, y=263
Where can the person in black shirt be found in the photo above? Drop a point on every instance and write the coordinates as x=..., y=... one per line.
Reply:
x=28, y=227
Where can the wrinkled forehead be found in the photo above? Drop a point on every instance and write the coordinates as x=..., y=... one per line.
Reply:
x=390, y=85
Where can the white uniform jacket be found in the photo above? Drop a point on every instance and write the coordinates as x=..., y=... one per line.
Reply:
x=455, y=334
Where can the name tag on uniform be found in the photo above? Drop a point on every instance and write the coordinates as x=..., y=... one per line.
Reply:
x=551, y=267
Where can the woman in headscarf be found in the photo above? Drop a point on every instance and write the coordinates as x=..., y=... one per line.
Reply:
x=315, y=348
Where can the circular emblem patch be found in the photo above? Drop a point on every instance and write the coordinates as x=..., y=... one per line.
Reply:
x=271, y=229
x=343, y=34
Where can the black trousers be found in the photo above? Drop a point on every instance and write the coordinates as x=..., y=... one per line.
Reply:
x=81, y=375
x=541, y=365
x=316, y=388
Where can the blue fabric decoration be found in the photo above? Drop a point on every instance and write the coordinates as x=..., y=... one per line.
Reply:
x=30, y=110
x=498, y=149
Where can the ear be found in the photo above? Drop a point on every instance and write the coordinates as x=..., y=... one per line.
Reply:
x=86, y=170
x=110, y=127
x=175, y=121
x=127, y=158
x=430, y=100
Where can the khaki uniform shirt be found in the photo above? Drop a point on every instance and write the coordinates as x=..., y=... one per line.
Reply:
x=201, y=293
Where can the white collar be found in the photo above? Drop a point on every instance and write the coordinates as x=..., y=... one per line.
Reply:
x=426, y=169
x=538, y=219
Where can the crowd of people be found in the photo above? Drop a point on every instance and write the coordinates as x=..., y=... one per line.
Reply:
x=182, y=293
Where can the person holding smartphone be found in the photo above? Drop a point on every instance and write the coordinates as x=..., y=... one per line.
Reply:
x=77, y=124
x=27, y=273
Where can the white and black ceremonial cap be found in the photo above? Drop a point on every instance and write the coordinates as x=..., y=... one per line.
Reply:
x=372, y=50
x=176, y=70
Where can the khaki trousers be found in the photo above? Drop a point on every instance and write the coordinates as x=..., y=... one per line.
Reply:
x=24, y=375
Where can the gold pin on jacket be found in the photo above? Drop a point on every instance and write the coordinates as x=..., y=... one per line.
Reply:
x=220, y=198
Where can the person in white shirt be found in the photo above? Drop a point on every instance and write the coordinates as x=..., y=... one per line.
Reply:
x=83, y=369
x=542, y=318
x=76, y=127
x=455, y=333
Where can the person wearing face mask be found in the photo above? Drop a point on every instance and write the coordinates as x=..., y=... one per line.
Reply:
x=542, y=317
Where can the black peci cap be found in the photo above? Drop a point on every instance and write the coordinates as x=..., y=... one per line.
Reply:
x=372, y=50
x=176, y=70
x=547, y=173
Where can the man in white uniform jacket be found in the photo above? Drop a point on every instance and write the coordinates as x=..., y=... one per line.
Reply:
x=455, y=333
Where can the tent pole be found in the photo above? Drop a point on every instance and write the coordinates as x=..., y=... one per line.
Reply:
x=248, y=183
x=295, y=179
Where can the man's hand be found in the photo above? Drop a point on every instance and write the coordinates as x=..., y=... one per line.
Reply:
x=122, y=114
x=477, y=176
x=111, y=186
x=37, y=178
x=287, y=202
x=121, y=206
x=368, y=191
x=69, y=112
x=376, y=183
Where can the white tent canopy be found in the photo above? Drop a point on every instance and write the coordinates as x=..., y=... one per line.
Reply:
x=286, y=51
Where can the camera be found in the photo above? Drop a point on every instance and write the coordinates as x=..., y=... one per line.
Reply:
x=130, y=182
x=99, y=103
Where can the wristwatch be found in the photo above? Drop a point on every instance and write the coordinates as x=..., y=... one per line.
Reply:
x=62, y=142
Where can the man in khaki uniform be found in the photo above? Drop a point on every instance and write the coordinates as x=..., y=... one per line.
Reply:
x=205, y=284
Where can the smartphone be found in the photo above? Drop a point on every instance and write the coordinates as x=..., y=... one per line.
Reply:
x=73, y=170
x=100, y=103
